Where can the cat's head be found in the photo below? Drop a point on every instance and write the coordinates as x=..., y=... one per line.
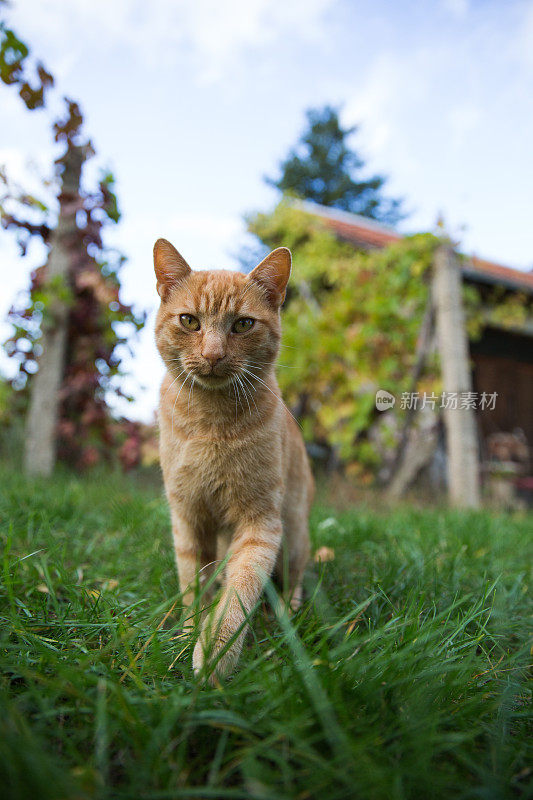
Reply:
x=217, y=324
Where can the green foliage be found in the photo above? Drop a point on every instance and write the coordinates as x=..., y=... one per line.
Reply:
x=109, y=198
x=403, y=676
x=350, y=327
x=324, y=168
x=504, y=310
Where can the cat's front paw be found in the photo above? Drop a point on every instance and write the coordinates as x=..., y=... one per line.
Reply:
x=198, y=658
x=213, y=659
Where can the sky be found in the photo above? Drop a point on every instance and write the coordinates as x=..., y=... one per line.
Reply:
x=192, y=102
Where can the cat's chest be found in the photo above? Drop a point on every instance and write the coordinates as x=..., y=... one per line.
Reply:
x=207, y=459
x=220, y=473
x=206, y=465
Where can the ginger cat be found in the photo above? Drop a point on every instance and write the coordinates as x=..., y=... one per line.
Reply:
x=234, y=463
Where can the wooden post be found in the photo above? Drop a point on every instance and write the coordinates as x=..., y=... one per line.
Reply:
x=41, y=422
x=399, y=478
x=460, y=422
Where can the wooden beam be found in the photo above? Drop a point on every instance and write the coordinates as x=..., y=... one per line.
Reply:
x=423, y=346
x=460, y=423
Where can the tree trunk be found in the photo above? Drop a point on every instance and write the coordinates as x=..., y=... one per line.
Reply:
x=41, y=423
x=460, y=423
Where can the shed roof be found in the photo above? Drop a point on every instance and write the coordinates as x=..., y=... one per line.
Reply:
x=367, y=234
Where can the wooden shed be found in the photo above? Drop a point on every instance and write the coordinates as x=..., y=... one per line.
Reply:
x=501, y=360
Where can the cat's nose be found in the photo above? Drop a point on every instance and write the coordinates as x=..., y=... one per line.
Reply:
x=213, y=359
x=213, y=349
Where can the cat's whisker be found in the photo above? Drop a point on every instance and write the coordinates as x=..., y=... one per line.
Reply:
x=189, y=398
x=239, y=379
x=249, y=363
x=172, y=384
x=239, y=394
x=262, y=364
x=241, y=386
x=271, y=392
x=249, y=382
x=176, y=400
x=235, y=393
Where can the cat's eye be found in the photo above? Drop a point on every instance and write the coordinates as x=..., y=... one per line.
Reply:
x=243, y=324
x=189, y=322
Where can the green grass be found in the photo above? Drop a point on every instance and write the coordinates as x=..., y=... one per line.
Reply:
x=403, y=676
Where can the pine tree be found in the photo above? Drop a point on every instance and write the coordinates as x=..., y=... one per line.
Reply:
x=325, y=169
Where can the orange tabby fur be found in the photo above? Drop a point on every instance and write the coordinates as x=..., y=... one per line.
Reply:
x=234, y=463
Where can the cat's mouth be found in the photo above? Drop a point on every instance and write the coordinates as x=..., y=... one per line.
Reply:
x=214, y=377
x=212, y=380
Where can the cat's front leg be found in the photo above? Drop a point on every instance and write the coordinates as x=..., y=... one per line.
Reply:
x=253, y=551
x=195, y=553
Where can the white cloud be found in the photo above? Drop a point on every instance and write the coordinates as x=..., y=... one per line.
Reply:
x=216, y=33
x=393, y=86
x=221, y=32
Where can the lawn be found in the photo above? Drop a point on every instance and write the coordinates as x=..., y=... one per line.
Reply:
x=403, y=676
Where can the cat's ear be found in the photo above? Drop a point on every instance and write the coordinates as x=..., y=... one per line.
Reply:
x=273, y=274
x=170, y=267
